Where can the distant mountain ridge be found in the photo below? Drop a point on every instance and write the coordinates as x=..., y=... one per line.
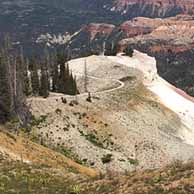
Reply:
x=153, y=8
x=26, y=20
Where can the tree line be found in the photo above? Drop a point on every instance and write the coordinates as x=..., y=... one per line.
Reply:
x=21, y=77
x=52, y=74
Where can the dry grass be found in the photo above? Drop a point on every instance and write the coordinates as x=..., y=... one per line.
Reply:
x=51, y=171
x=20, y=148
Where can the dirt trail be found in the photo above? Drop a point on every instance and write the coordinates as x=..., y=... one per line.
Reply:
x=121, y=84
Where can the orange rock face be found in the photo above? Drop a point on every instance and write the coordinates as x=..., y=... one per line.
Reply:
x=185, y=6
x=95, y=28
x=159, y=35
x=130, y=29
x=174, y=33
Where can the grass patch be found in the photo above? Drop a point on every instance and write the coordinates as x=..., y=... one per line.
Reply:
x=94, y=140
x=35, y=121
x=17, y=177
x=133, y=161
x=69, y=154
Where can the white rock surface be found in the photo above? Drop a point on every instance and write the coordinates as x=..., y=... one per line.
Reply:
x=172, y=99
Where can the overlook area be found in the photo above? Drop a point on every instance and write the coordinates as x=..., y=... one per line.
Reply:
x=96, y=97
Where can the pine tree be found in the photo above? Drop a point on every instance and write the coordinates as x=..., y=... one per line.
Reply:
x=71, y=89
x=27, y=84
x=12, y=99
x=21, y=109
x=53, y=72
x=110, y=49
x=44, y=83
x=128, y=51
x=35, y=79
x=75, y=89
x=62, y=79
x=47, y=61
x=5, y=93
x=55, y=78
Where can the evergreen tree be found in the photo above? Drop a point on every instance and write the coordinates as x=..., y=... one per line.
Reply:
x=12, y=99
x=66, y=82
x=35, y=79
x=44, y=83
x=55, y=78
x=75, y=89
x=111, y=49
x=47, y=61
x=62, y=79
x=70, y=84
x=27, y=85
x=5, y=93
x=128, y=51
x=21, y=109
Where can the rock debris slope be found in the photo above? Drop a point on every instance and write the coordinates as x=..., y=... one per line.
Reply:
x=130, y=123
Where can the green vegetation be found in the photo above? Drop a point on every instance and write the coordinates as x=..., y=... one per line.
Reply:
x=111, y=49
x=106, y=158
x=17, y=177
x=20, y=178
x=128, y=51
x=68, y=153
x=12, y=98
x=133, y=161
x=92, y=138
x=35, y=121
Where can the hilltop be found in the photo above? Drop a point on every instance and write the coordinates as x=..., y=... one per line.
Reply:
x=126, y=124
x=169, y=40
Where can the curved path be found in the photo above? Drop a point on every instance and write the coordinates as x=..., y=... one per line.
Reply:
x=121, y=84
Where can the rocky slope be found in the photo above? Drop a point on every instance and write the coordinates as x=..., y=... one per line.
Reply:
x=18, y=177
x=126, y=124
x=28, y=167
x=21, y=148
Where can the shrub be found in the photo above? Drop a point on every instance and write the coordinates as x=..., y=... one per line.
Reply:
x=106, y=158
x=133, y=161
x=128, y=51
x=58, y=111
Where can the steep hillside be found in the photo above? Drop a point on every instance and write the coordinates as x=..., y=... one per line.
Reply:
x=126, y=129
x=125, y=125
x=17, y=177
x=20, y=149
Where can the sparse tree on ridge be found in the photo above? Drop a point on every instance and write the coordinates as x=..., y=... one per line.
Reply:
x=12, y=98
x=128, y=51
x=35, y=79
x=5, y=92
x=44, y=82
